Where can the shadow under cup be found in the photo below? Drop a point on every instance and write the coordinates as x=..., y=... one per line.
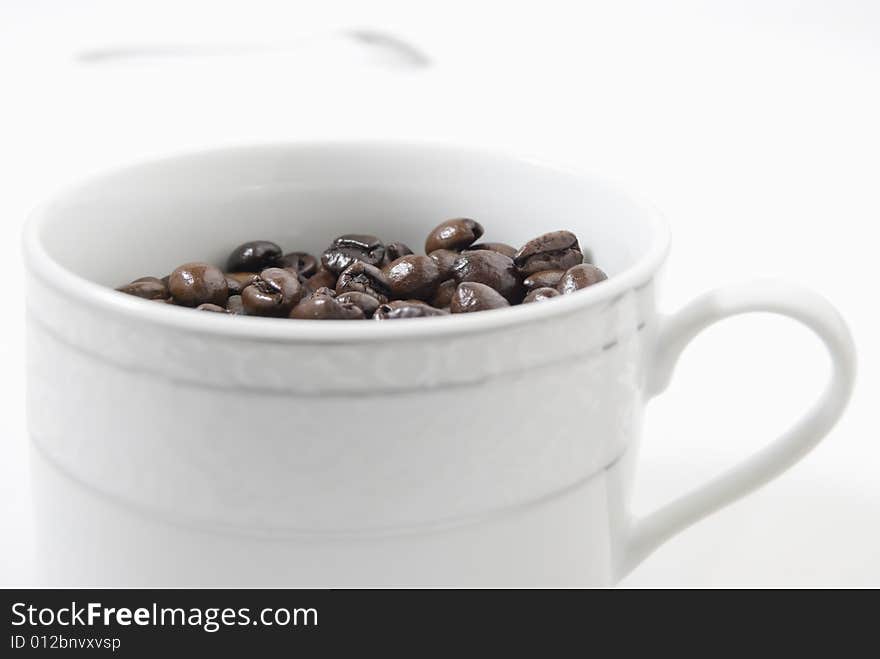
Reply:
x=181, y=448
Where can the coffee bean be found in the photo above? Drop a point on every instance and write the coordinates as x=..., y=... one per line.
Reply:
x=253, y=256
x=274, y=293
x=445, y=259
x=198, y=283
x=580, y=276
x=364, y=278
x=473, y=296
x=501, y=248
x=443, y=296
x=453, y=234
x=324, y=290
x=212, y=307
x=234, y=305
x=323, y=278
x=492, y=269
x=149, y=288
x=543, y=279
x=394, y=251
x=540, y=294
x=323, y=307
x=367, y=303
x=407, y=309
x=412, y=277
x=300, y=263
x=236, y=281
x=557, y=250
x=350, y=248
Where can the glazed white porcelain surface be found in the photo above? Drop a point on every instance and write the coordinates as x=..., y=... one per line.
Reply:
x=175, y=447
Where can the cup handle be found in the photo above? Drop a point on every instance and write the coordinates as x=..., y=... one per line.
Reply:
x=675, y=332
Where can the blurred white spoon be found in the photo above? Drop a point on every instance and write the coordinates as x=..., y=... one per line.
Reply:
x=383, y=48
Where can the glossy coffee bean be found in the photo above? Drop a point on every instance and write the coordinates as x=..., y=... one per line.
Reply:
x=445, y=259
x=412, y=277
x=324, y=290
x=473, y=296
x=557, y=250
x=540, y=294
x=275, y=292
x=501, y=248
x=578, y=277
x=300, y=263
x=454, y=234
x=323, y=278
x=236, y=281
x=253, y=256
x=492, y=269
x=323, y=307
x=543, y=279
x=443, y=296
x=367, y=303
x=234, y=305
x=362, y=277
x=148, y=288
x=198, y=283
x=350, y=248
x=398, y=309
x=212, y=307
x=394, y=251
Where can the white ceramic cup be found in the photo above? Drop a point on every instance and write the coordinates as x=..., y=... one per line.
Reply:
x=180, y=448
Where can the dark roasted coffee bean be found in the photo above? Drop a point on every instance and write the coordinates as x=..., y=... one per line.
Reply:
x=324, y=290
x=445, y=259
x=350, y=248
x=322, y=278
x=540, y=294
x=367, y=303
x=253, y=256
x=243, y=278
x=443, y=296
x=275, y=292
x=501, y=248
x=212, y=307
x=454, y=234
x=580, y=276
x=557, y=250
x=236, y=281
x=412, y=277
x=323, y=307
x=394, y=251
x=364, y=278
x=193, y=284
x=473, y=296
x=300, y=263
x=543, y=279
x=492, y=269
x=407, y=309
x=234, y=305
x=149, y=288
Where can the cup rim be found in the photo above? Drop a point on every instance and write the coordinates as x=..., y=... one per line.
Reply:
x=107, y=300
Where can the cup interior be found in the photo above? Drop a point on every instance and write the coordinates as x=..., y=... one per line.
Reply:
x=149, y=218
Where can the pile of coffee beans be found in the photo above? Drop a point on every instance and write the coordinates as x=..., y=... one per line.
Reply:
x=358, y=276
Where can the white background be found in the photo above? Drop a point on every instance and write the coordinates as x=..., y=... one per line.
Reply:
x=752, y=125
